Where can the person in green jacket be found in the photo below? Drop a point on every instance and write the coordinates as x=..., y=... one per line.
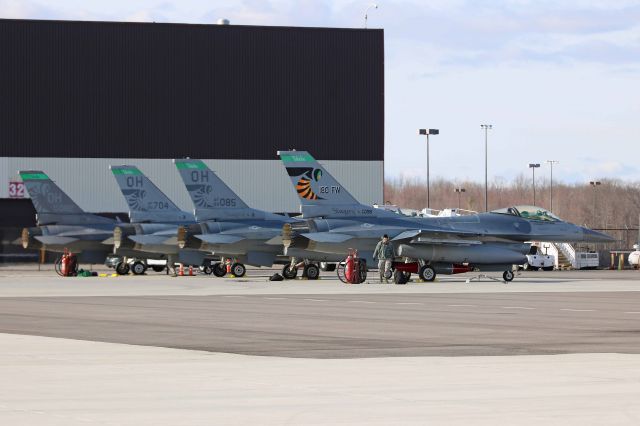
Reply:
x=384, y=254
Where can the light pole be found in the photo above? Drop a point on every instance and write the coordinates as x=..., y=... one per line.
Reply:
x=486, y=128
x=551, y=163
x=594, y=184
x=459, y=191
x=428, y=132
x=533, y=168
x=366, y=13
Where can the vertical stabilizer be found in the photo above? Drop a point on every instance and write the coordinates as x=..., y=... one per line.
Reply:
x=52, y=205
x=211, y=197
x=319, y=193
x=147, y=203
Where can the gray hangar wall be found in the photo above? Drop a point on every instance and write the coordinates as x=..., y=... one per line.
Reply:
x=78, y=96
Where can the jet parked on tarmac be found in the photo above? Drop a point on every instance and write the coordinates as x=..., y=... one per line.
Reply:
x=336, y=222
x=154, y=223
x=62, y=224
x=228, y=227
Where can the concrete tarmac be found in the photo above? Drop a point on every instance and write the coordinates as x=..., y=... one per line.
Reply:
x=331, y=353
x=61, y=382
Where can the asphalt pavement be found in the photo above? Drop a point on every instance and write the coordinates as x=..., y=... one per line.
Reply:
x=343, y=325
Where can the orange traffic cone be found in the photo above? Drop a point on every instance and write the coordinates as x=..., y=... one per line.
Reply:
x=181, y=270
x=228, y=262
x=190, y=270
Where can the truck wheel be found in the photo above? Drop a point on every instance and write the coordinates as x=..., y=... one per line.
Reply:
x=427, y=273
x=122, y=268
x=507, y=276
x=157, y=268
x=206, y=269
x=289, y=272
x=311, y=271
x=138, y=268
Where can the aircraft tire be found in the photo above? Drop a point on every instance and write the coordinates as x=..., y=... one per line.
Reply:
x=219, y=270
x=238, y=269
x=311, y=271
x=138, y=268
x=427, y=273
x=508, y=276
x=122, y=268
x=289, y=272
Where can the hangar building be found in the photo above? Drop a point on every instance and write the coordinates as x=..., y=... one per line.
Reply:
x=79, y=96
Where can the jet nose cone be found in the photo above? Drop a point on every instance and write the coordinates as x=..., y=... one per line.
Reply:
x=591, y=236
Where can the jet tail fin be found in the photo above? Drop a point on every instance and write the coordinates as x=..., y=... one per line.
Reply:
x=321, y=195
x=211, y=196
x=147, y=203
x=52, y=204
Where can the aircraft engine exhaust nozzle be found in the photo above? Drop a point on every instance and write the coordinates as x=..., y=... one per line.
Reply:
x=591, y=236
x=120, y=234
x=291, y=235
x=28, y=240
x=186, y=237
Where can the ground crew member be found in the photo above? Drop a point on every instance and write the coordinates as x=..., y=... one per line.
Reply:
x=384, y=254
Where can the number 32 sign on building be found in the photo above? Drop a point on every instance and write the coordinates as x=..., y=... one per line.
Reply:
x=16, y=189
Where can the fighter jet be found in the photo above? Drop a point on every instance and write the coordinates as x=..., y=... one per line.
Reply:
x=336, y=222
x=154, y=222
x=227, y=226
x=62, y=224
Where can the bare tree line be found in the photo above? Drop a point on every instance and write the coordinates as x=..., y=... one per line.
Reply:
x=612, y=205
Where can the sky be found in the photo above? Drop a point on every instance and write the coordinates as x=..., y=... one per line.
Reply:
x=558, y=80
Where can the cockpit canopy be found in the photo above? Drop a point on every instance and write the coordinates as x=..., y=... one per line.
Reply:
x=529, y=212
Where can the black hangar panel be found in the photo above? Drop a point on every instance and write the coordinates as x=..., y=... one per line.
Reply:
x=146, y=90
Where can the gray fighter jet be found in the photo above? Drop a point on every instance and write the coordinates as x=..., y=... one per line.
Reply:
x=336, y=222
x=154, y=222
x=227, y=226
x=62, y=224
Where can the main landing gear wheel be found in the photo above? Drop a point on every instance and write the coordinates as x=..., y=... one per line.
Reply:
x=311, y=271
x=400, y=277
x=238, y=269
x=289, y=272
x=427, y=273
x=138, y=268
x=507, y=276
x=219, y=270
x=122, y=268
x=388, y=274
x=207, y=269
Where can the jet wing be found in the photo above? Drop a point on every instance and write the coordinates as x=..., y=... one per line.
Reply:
x=54, y=239
x=219, y=238
x=275, y=241
x=439, y=237
x=150, y=239
x=327, y=237
x=87, y=234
